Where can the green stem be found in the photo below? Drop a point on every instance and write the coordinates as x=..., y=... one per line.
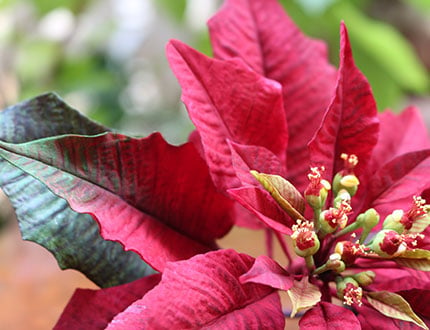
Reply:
x=317, y=212
x=310, y=264
x=364, y=235
x=321, y=269
x=353, y=226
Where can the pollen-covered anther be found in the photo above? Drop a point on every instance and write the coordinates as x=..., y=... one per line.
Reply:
x=349, y=291
x=350, y=251
x=418, y=211
x=413, y=241
x=316, y=180
x=301, y=227
x=352, y=295
x=350, y=161
x=419, y=207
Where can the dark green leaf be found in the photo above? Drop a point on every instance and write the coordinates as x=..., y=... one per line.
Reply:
x=46, y=219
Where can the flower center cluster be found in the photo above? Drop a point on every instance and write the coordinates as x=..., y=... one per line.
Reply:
x=352, y=238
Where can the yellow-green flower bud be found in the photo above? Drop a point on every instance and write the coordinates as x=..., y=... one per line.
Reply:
x=367, y=220
x=364, y=278
x=392, y=221
x=305, y=240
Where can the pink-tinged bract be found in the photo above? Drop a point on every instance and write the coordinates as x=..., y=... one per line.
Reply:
x=260, y=33
x=205, y=292
x=216, y=94
x=350, y=124
x=268, y=272
x=102, y=305
x=329, y=316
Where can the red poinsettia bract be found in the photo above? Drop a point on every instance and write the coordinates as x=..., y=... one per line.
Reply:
x=299, y=145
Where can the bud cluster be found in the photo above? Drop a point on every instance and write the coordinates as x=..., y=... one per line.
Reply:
x=400, y=233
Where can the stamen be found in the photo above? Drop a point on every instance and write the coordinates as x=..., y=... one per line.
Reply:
x=301, y=227
x=316, y=182
x=352, y=295
x=350, y=161
x=419, y=207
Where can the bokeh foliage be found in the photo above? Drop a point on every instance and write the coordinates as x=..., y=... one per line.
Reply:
x=85, y=69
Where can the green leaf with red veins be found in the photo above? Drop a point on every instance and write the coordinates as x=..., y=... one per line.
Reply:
x=351, y=123
x=418, y=264
x=260, y=33
x=46, y=219
x=418, y=259
x=415, y=254
x=303, y=295
x=394, y=306
x=126, y=184
x=205, y=292
x=284, y=193
x=226, y=100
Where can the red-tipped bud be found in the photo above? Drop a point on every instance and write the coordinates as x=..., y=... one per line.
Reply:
x=388, y=244
x=317, y=190
x=334, y=218
x=346, y=179
x=349, y=291
x=305, y=240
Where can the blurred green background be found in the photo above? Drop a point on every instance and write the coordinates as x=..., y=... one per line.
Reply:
x=106, y=58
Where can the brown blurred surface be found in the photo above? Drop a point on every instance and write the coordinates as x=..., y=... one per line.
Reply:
x=33, y=289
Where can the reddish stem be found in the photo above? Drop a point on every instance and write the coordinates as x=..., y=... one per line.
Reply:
x=284, y=247
x=269, y=242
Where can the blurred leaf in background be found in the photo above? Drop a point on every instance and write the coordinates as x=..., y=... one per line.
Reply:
x=381, y=51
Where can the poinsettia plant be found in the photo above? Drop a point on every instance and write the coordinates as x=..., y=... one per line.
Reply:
x=284, y=142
